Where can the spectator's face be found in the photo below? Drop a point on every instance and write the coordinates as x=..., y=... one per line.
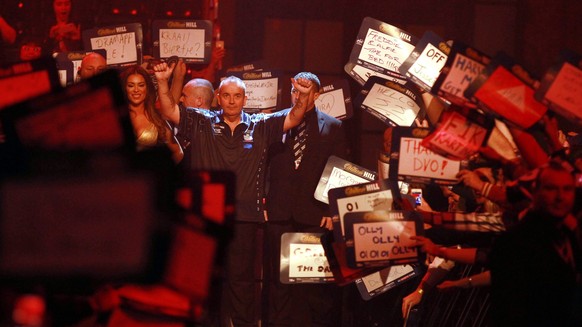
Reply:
x=136, y=88
x=190, y=98
x=91, y=66
x=30, y=52
x=232, y=99
x=62, y=10
x=555, y=193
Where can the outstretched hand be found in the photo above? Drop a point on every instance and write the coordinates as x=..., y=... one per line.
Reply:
x=426, y=245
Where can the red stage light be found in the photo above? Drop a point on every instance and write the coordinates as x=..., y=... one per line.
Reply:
x=115, y=11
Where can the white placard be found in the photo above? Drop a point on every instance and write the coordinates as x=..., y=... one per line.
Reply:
x=428, y=65
x=182, y=42
x=381, y=200
x=416, y=160
x=384, y=50
x=308, y=260
x=341, y=178
x=121, y=48
x=386, y=240
x=262, y=93
x=396, y=106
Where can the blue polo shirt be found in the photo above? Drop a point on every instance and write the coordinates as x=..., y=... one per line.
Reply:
x=243, y=152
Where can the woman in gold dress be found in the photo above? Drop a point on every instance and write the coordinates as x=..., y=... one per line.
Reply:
x=150, y=128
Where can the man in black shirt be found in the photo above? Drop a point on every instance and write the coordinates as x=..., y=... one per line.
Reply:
x=533, y=265
x=230, y=139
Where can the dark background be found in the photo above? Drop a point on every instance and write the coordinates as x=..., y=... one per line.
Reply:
x=318, y=35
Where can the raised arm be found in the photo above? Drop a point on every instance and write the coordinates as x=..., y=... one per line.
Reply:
x=306, y=95
x=168, y=107
x=178, y=78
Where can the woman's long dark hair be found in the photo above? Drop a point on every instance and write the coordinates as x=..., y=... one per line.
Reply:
x=150, y=101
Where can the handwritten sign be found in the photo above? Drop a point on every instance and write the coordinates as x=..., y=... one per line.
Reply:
x=303, y=259
x=123, y=43
x=335, y=100
x=417, y=160
x=427, y=59
x=381, y=47
x=566, y=89
x=339, y=173
x=383, y=280
x=456, y=137
x=370, y=196
x=463, y=65
x=561, y=87
x=506, y=90
x=189, y=40
x=381, y=200
x=381, y=238
x=411, y=162
x=263, y=90
x=390, y=102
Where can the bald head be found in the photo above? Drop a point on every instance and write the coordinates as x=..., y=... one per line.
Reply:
x=92, y=63
x=197, y=93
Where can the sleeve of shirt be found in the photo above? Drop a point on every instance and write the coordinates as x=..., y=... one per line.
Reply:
x=187, y=126
x=274, y=124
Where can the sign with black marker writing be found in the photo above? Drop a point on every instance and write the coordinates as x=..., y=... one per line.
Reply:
x=382, y=238
x=390, y=102
x=425, y=62
x=386, y=279
x=339, y=173
x=335, y=100
x=377, y=195
x=123, y=43
x=561, y=87
x=303, y=259
x=459, y=134
x=463, y=65
x=190, y=40
x=263, y=90
x=411, y=162
x=506, y=90
x=381, y=47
